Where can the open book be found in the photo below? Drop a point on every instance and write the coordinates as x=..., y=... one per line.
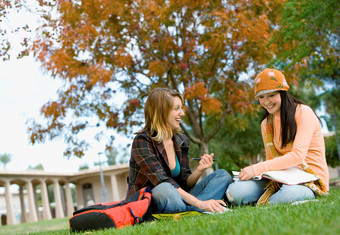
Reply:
x=290, y=176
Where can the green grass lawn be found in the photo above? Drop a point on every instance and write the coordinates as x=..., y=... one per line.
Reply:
x=321, y=217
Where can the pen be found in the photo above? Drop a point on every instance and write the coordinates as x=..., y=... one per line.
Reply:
x=198, y=159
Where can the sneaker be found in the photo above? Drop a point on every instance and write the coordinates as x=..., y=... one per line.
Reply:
x=304, y=201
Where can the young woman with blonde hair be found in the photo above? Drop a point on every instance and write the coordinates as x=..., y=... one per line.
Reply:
x=160, y=160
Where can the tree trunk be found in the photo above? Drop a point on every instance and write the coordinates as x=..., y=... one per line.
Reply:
x=204, y=148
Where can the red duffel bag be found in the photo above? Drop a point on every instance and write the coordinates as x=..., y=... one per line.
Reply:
x=135, y=209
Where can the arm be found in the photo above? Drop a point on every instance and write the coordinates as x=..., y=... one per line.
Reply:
x=306, y=122
x=205, y=162
x=209, y=205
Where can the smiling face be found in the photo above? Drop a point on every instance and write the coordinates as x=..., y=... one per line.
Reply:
x=271, y=102
x=176, y=113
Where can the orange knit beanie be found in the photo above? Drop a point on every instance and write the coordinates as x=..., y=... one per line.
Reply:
x=270, y=80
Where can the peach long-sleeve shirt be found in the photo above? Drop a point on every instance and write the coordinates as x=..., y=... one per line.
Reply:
x=308, y=145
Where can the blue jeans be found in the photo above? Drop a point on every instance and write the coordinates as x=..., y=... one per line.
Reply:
x=166, y=198
x=248, y=192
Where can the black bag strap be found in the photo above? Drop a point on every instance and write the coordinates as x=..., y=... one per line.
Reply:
x=139, y=195
x=96, y=207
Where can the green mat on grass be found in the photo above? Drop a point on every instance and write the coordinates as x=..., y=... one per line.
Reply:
x=181, y=214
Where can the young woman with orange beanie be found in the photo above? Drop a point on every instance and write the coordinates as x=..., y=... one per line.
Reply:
x=292, y=136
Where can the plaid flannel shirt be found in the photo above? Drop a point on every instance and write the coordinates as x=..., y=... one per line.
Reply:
x=149, y=164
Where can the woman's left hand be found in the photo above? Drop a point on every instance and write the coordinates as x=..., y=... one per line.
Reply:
x=246, y=173
x=205, y=162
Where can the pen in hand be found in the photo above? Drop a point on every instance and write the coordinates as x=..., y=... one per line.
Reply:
x=198, y=159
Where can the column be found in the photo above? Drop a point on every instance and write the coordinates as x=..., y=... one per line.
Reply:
x=22, y=203
x=59, y=213
x=36, y=202
x=69, y=200
x=62, y=196
x=33, y=217
x=9, y=203
x=115, y=188
x=46, y=204
x=79, y=196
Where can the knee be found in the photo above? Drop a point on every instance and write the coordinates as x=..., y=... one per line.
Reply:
x=166, y=193
x=233, y=194
x=244, y=192
x=166, y=199
x=293, y=193
x=223, y=174
x=163, y=191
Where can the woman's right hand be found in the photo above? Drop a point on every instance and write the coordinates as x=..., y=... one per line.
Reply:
x=246, y=173
x=212, y=205
x=205, y=162
x=208, y=205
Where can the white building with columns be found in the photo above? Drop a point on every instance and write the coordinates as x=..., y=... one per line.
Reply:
x=34, y=203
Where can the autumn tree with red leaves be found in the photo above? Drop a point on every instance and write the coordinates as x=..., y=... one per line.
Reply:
x=102, y=49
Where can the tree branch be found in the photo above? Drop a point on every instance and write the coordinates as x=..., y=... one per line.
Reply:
x=173, y=80
x=191, y=137
x=194, y=119
x=213, y=67
x=219, y=125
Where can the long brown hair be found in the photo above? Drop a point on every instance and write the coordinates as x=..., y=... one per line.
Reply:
x=156, y=111
x=287, y=114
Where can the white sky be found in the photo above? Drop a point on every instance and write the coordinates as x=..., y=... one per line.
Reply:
x=24, y=89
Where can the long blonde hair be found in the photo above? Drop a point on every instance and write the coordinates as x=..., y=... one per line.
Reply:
x=156, y=111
